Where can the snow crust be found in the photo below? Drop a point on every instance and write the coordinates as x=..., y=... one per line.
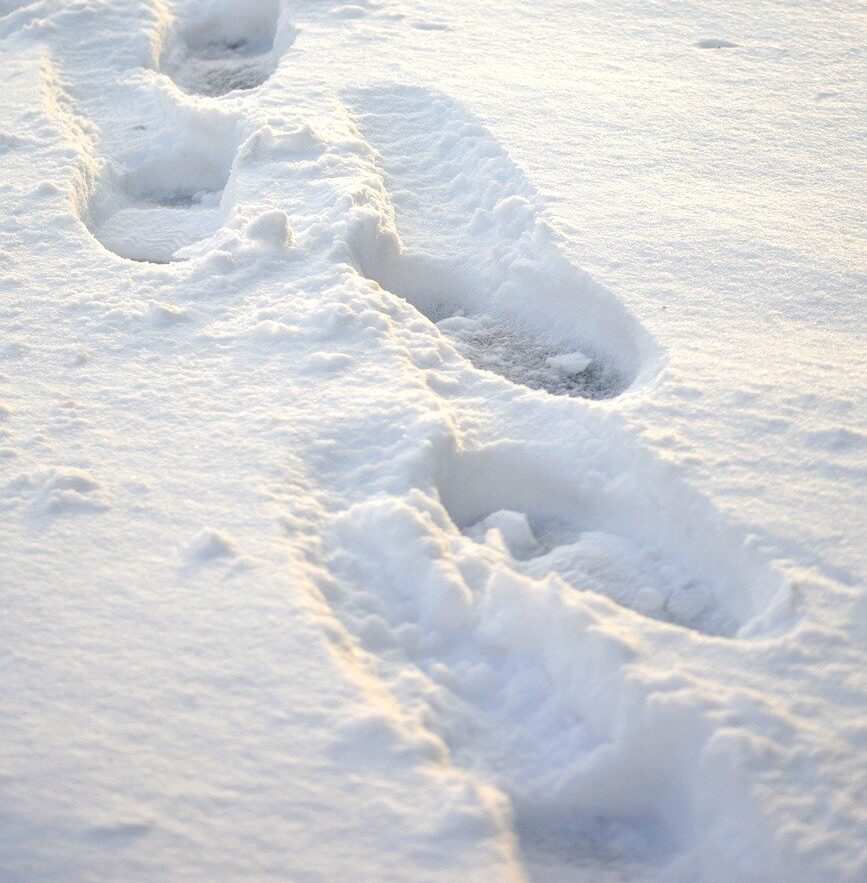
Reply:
x=348, y=528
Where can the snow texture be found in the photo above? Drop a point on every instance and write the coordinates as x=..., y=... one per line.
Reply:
x=349, y=527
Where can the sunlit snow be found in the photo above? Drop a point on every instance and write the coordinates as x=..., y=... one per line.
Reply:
x=432, y=441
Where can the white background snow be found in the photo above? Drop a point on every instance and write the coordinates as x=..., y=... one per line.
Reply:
x=432, y=441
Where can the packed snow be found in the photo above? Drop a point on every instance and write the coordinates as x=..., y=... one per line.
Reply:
x=433, y=441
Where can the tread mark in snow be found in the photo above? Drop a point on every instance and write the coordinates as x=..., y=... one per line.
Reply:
x=232, y=48
x=476, y=257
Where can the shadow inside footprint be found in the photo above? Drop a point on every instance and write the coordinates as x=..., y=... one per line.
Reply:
x=152, y=227
x=221, y=68
x=611, y=536
x=523, y=355
x=162, y=195
x=492, y=345
x=503, y=292
x=229, y=47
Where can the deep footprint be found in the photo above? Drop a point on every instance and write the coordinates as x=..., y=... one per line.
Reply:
x=505, y=295
x=152, y=227
x=164, y=194
x=490, y=691
x=214, y=52
x=491, y=345
x=505, y=639
x=676, y=565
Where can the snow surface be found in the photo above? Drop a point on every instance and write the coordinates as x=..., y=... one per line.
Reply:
x=348, y=528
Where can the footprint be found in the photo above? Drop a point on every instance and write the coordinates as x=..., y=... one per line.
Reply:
x=233, y=45
x=478, y=597
x=660, y=551
x=716, y=43
x=475, y=256
x=164, y=191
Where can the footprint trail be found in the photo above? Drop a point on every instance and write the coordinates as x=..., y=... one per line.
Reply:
x=504, y=593
x=503, y=585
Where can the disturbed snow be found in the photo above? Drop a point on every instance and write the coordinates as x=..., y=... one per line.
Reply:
x=349, y=528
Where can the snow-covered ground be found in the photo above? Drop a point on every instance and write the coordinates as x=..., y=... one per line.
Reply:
x=350, y=530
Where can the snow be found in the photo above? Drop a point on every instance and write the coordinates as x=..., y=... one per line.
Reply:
x=432, y=441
